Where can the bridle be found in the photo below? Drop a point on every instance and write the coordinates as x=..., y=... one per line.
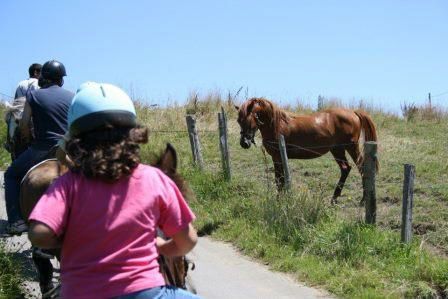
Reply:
x=251, y=135
x=257, y=120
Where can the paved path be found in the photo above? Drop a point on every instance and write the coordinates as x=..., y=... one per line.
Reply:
x=221, y=272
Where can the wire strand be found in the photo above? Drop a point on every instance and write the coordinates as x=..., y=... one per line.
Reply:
x=440, y=94
x=4, y=94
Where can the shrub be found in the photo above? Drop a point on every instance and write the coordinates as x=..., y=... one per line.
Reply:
x=288, y=215
x=409, y=111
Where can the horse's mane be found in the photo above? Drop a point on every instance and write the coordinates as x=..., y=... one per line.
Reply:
x=271, y=111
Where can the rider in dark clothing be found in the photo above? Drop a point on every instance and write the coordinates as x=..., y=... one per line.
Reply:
x=47, y=108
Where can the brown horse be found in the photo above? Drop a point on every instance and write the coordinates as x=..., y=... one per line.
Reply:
x=37, y=181
x=307, y=136
x=40, y=177
x=175, y=269
x=34, y=184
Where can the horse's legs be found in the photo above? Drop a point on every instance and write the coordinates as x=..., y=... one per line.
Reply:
x=279, y=175
x=344, y=166
x=353, y=151
x=45, y=272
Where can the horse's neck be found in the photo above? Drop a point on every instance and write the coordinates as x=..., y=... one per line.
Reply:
x=271, y=129
x=268, y=132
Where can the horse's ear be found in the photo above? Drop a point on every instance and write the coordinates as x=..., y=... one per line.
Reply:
x=251, y=105
x=168, y=161
x=236, y=107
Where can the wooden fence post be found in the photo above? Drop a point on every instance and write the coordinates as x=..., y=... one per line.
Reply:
x=368, y=181
x=284, y=156
x=223, y=144
x=408, y=203
x=194, y=141
x=320, y=102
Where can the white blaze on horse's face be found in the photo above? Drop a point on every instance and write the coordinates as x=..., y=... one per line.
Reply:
x=248, y=125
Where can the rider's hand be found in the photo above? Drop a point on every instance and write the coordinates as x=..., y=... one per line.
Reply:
x=179, y=244
x=159, y=242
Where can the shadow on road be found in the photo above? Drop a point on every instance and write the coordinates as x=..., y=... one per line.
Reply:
x=209, y=228
x=26, y=263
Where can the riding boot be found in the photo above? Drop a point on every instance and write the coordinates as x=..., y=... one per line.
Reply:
x=45, y=272
x=51, y=291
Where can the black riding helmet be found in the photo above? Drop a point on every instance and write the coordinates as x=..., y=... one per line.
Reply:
x=53, y=70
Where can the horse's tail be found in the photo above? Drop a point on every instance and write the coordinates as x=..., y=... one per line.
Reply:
x=368, y=133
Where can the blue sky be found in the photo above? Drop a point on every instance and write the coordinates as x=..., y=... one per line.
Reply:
x=384, y=51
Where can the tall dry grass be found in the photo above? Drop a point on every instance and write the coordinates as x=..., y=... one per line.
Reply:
x=412, y=112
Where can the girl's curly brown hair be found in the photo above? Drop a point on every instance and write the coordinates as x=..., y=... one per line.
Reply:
x=108, y=153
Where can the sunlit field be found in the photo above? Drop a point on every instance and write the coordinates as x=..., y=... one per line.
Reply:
x=300, y=232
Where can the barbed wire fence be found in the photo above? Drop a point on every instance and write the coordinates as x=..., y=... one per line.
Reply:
x=207, y=143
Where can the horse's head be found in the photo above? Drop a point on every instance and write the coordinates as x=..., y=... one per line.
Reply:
x=167, y=162
x=174, y=269
x=251, y=115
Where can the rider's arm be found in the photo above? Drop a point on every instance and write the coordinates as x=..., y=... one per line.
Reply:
x=180, y=243
x=43, y=236
x=25, y=121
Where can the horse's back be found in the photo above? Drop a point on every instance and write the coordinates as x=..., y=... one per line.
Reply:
x=312, y=135
x=341, y=123
x=325, y=124
x=36, y=182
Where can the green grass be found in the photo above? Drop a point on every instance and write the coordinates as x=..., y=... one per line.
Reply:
x=301, y=233
x=10, y=275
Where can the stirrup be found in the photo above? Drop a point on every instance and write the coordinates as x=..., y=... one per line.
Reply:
x=42, y=254
x=52, y=293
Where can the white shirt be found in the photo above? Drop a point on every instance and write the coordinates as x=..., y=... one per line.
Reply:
x=25, y=86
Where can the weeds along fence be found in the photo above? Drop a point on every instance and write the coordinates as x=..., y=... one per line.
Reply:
x=202, y=140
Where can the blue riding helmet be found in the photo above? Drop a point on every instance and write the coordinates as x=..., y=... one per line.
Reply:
x=96, y=105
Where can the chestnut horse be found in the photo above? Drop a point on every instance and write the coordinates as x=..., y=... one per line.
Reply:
x=307, y=136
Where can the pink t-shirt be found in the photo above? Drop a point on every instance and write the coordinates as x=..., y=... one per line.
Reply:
x=109, y=230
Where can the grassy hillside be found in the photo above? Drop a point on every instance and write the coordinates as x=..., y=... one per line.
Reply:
x=302, y=233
